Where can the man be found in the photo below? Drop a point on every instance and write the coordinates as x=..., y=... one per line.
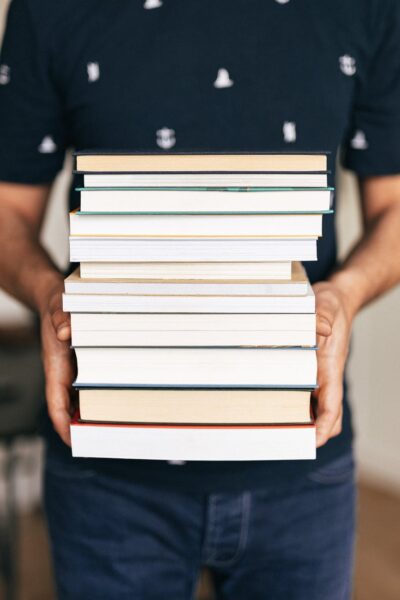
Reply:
x=259, y=75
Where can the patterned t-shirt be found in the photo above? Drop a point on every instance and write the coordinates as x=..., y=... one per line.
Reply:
x=180, y=75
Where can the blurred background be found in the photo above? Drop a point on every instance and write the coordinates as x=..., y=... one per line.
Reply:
x=374, y=377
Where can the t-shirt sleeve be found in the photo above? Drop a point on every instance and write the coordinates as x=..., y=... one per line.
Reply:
x=373, y=143
x=32, y=132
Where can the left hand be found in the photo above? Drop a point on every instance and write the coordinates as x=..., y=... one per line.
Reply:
x=333, y=336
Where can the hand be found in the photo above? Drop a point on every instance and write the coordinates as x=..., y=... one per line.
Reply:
x=333, y=335
x=58, y=361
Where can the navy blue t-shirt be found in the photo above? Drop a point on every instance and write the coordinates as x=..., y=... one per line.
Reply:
x=180, y=75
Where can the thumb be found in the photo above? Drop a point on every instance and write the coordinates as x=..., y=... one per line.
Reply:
x=62, y=324
x=323, y=326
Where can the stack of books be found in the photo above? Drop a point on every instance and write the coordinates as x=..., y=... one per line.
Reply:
x=193, y=320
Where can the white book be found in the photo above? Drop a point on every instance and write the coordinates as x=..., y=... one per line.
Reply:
x=188, y=272
x=296, y=286
x=294, y=442
x=192, y=367
x=156, y=249
x=130, y=303
x=193, y=329
x=205, y=201
x=207, y=180
x=195, y=225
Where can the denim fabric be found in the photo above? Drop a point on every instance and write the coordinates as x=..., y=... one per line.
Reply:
x=115, y=539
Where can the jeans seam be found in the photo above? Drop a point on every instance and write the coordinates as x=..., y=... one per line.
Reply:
x=210, y=548
x=243, y=536
x=193, y=593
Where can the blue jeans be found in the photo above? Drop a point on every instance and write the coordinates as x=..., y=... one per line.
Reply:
x=113, y=539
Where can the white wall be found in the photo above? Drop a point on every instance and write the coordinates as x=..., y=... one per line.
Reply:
x=374, y=368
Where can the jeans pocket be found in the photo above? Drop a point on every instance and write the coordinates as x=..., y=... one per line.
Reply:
x=340, y=470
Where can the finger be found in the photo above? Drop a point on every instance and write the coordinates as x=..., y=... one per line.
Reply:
x=62, y=324
x=59, y=410
x=328, y=410
x=64, y=332
x=326, y=309
x=59, y=317
x=59, y=370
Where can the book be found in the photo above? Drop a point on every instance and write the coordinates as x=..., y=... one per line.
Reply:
x=110, y=329
x=95, y=200
x=204, y=181
x=133, y=303
x=173, y=249
x=195, y=406
x=196, y=367
x=193, y=321
x=211, y=272
x=195, y=225
x=196, y=442
x=297, y=285
x=121, y=162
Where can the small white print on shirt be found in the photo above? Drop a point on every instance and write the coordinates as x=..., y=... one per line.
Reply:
x=47, y=145
x=5, y=74
x=223, y=79
x=347, y=65
x=150, y=4
x=166, y=138
x=93, y=71
x=289, y=132
x=359, y=141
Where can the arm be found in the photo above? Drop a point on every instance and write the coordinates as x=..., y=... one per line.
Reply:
x=28, y=274
x=372, y=268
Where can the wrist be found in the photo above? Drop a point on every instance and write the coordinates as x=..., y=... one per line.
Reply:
x=349, y=290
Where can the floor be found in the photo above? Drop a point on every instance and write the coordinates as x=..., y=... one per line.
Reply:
x=378, y=551
x=378, y=554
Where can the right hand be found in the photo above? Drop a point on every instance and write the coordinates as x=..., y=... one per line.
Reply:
x=58, y=362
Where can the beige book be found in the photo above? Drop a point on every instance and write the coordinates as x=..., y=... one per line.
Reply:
x=195, y=406
x=119, y=163
x=295, y=286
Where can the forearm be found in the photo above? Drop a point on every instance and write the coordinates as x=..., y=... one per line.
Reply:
x=28, y=273
x=26, y=270
x=373, y=266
